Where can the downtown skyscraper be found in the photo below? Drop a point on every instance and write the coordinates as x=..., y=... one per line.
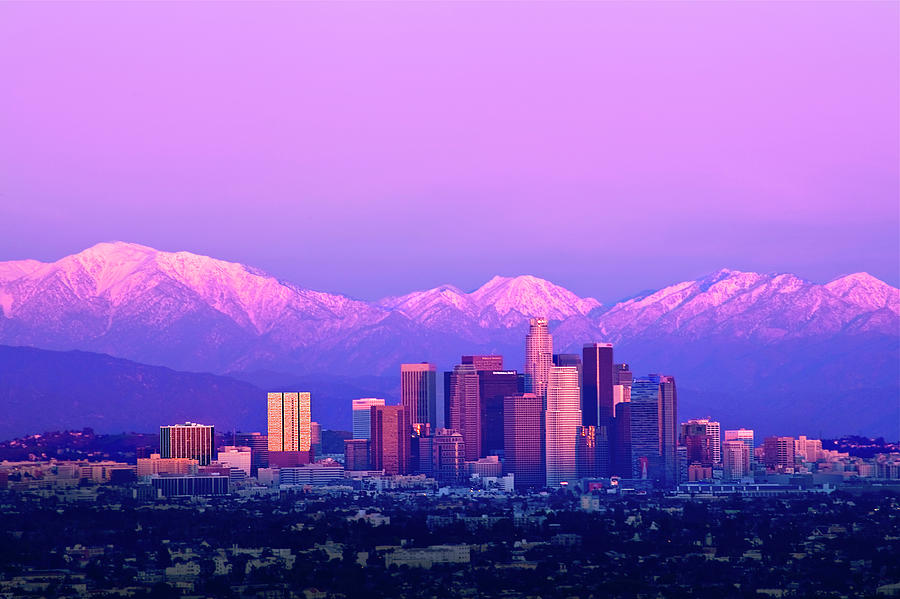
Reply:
x=465, y=408
x=362, y=416
x=538, y=356
x=418, y=392
x=523, y=439
x=288, y=416
x=189, y=440
x=562, y=421
x=389, y=443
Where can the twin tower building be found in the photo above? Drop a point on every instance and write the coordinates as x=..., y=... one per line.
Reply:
x=567, y=417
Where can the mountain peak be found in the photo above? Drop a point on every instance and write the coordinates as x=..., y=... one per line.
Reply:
x=865, y=291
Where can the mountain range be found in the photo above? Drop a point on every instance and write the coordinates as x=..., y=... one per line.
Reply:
x=744, y=346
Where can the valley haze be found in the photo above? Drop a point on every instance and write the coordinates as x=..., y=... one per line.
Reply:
x=771, y=351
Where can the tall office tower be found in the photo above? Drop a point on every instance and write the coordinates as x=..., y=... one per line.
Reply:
x=621, y=463
x=356, y=454
x=449, y=456
x=562, y=419
x=362, y=416
x=389, y=440
x=586, y=452
x=523, y=435
x=484, y=363
x=668, y=428
x=446, y=400
x=315, y=438
x=778, y=453
x=571, y=360
x=714, y=430
x=538, y=356
x=597, y=403
x=418, y=392
x=644, y=411
x=736, y=459
x=289, y=422
x=259, y=449
x=695, y=437
x=422, y=452
x=622, y=375
x=493, y=387
x=465, y=408
x=189, y=440
x=742, y=434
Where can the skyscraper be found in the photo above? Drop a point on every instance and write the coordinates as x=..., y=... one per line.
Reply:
x=362, y=416
x=668, y=428
x=465, y=408
x=736, y=459
x=189, y=440
x=644, y=414
x=597, y=402
x=745, y=435
x=389, y=439
x=714, y=430
x=695, y=437
x=289, y=422
x=493, y=387
x=778, y=453
x=538, y=356
x=449, y=456
x=418, y=392
x=562, y=418
x=523, y=434
x=356, y=454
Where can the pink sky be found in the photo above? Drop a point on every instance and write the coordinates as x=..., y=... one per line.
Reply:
x=375, y=148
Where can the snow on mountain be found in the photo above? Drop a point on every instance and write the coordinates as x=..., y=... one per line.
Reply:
x=863, y=290
x=195, y=312
x=502, y=302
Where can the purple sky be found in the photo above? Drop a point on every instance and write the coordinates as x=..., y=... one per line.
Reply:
x=377, y=148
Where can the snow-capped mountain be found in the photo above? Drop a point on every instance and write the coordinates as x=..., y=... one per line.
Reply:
x=733, y=339
x=196, y=312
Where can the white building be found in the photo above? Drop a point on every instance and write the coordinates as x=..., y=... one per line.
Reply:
x=563, y=417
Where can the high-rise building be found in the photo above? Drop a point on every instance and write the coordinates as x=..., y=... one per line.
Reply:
x=259, y=449
x=736, y=459
x=289, y=422
x=597, y=403
x=714, y=430
x=493, y=387
x=449, y=457
x=621, y=394
x=315, y=438
x=698, y=443
x=356, y=454
x=465, y=408
x=389, y=440
x=621, y=462
x=523, y=434
x=562, y=419
x=645, y=443
x=188, y=440
x=538, y=356
x=418, y=392
x=362, y=416
x=668, y=428
x=571, y=360
x=742, y=434
x=778, y=453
